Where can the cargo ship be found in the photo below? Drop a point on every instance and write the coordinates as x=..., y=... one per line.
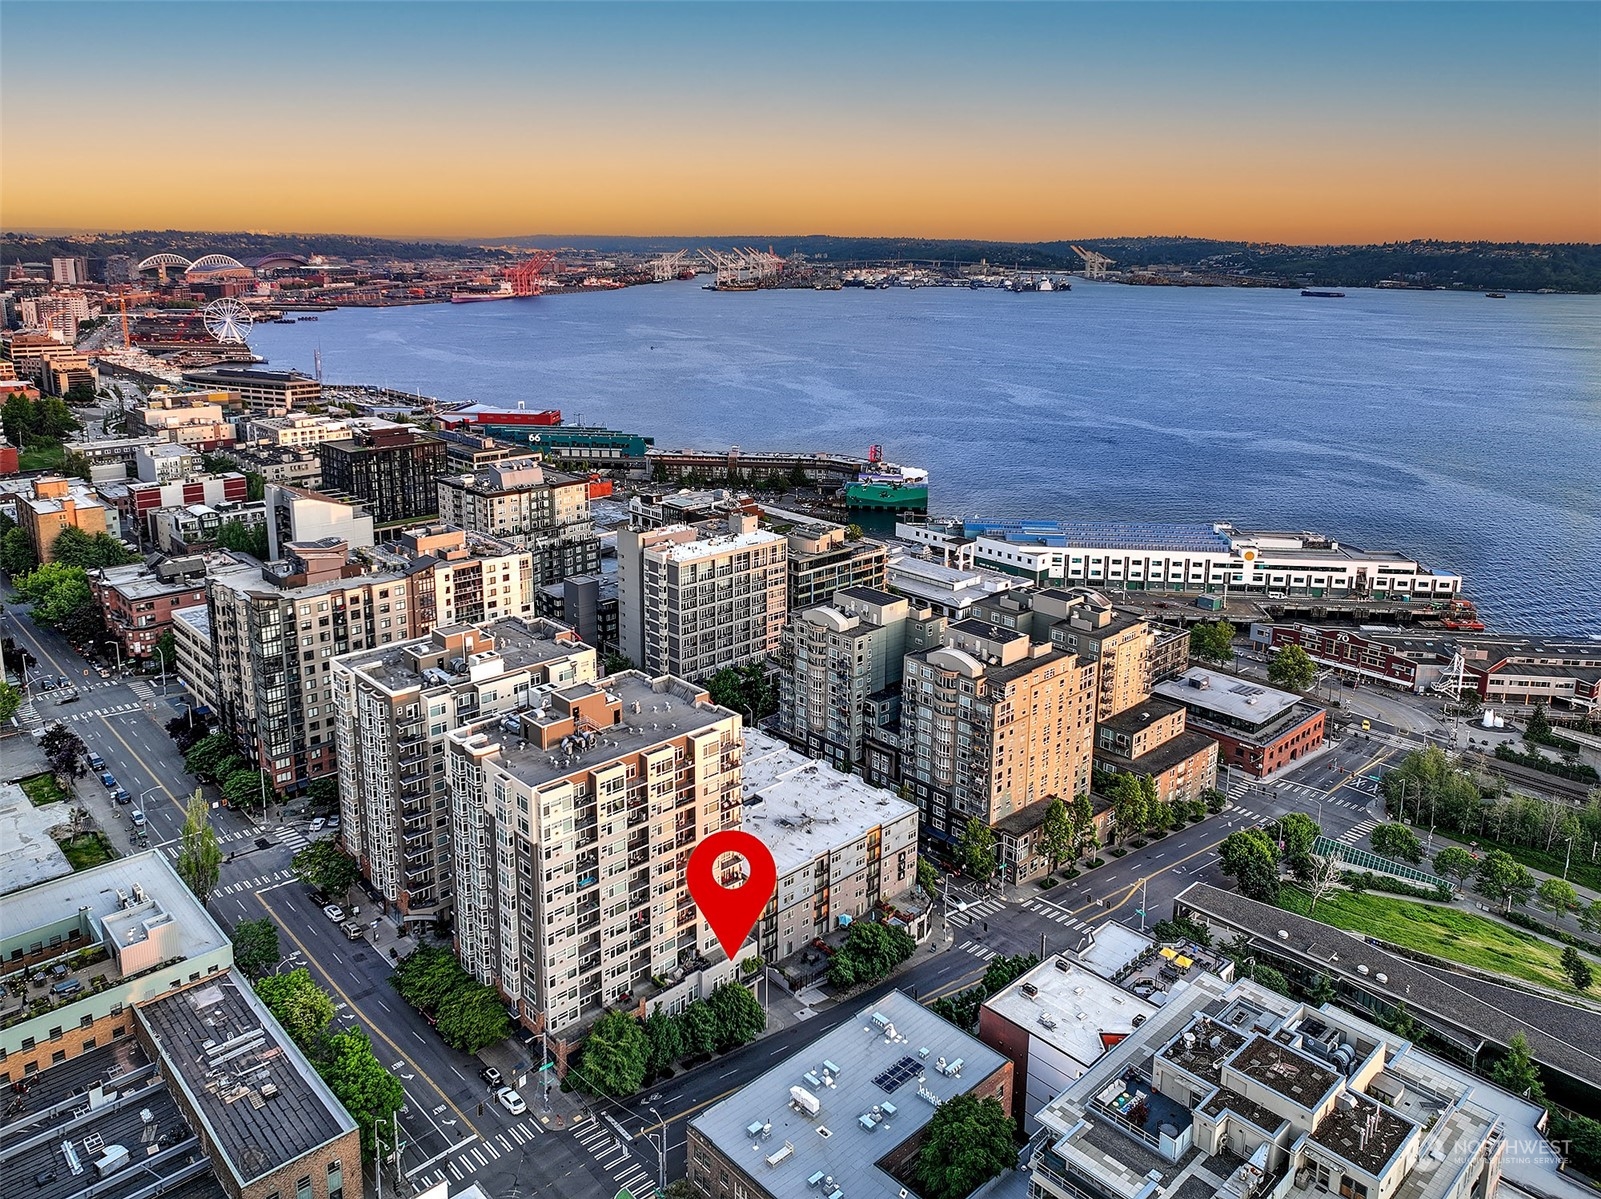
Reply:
x=503, y=292
x=886, y=487
x=1324, y=295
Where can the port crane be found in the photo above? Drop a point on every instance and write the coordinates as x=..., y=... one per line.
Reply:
x=527, y=277
x=666, y=268
x=1094, y=264
x=743, y=269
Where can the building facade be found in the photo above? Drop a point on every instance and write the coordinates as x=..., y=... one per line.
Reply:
x=268, y=393
x=1258, y=729
x=392, y=472
x=139, y=603
x=56, y=505
x=394, y=706
x=823, y=559
x=518, y=501
x=691, y=602
x=1152, y=739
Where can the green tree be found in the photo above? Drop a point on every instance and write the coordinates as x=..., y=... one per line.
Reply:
x=57, y=592
x=1292, y=668
x=199, y=858
x=17, y=419
x=1517, y=1071
x=16, y=553
x=870, y=952
x=1083, y=813
x=1251, y=858
x=616, y=1056
x=245, y=539
x=697, y=1030
x=74, y=547
x=10, y=701
x=256, y=950
x=427, y=976
x=1397, y=841
x=976, y=850
x=1590, y=916
x=1557, y=895
x=967, y=1142
x=1454, y=862
x=748, y=690
x=204, y=757
x=167, y=649
x=853, y=532
x=1402, y=1024
x=473, y=1016
x=1214, y=800
x=1297, y=834
x=740, y=1018
x=1003, y=971
x=615, y=663
x=1538, y=729
x=1056, y=833
x=1577, y=969
x=241, y=788
x=1213, y=642
x=298, y=1003
x=927, y=876
x=325, y=867
x=1321, y=991
x=1273, y=980
x=366, y=1088
x=1129, y=805
x=65, y=751
x=1501, y=878
x=665, y=1038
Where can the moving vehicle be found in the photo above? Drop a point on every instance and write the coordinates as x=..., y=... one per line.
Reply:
x=492, y=1076
x=511, y=1101
x=70, y=697
x=136, y=818
x=334, y=912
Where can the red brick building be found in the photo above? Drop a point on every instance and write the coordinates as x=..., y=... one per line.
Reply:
x=138, y=603
x=1258, y=729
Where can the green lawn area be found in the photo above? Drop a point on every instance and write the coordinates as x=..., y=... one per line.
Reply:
x=42, y=789
x=45, y=457
x=1444, y=932
x=1580, y=871
x=87, y=849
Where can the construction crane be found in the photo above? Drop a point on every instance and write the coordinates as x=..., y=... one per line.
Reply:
x=1094, y=264
x=527, y=277
x=123, y=297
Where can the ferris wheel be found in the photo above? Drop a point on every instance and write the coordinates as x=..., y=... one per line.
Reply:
x=227, y=320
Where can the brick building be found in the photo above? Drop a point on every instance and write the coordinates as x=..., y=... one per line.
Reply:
x=1258, y=729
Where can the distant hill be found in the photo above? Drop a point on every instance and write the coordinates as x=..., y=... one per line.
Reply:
x=1485, y=266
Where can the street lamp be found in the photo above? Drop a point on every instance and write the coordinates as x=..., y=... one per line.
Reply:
x=660, y=1145
x=1567, y=858
x=117, y=645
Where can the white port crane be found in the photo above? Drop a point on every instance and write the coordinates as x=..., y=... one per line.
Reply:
x=1094, y=264
x=665, y=269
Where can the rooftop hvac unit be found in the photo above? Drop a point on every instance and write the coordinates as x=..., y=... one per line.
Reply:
x=805, y=1101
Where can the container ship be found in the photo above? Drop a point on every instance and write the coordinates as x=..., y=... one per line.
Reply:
x=886, y=487
x=503, y=292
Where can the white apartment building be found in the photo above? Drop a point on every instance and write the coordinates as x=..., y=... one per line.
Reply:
x=574, y=822
x=195, y=654
x=301, y=429
x=394, y=706
x=519, y=501
x=691, y=602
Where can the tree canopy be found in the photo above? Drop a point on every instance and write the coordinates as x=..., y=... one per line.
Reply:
x=256, y=950
x=1212, y=641
x=298, y=1003
x=199, y=857
x=976, y=849
x=1397, y=841
x=870, y=952
x=325, y=866
x=1251, y=858
x=748, y=690
x=74, y=547
x=1292, y=668
x=967, y=1142
x=616, y=1055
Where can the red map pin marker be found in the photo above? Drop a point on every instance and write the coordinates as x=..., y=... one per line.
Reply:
x=731, y=911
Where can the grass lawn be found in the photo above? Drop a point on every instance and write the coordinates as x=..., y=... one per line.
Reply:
x=87, y=849
x=42, y=789
x=44, y=457
x=1444, y=932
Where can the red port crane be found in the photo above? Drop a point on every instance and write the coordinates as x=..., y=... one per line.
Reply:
x=527, y=277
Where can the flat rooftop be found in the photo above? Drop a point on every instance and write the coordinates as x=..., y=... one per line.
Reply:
x=666, y=709
x=1073, y=1010
x=1239, y=699
x=801, y=807
x=1365, y=1133
x=870, y=1105
x=1142, y=715
x=1202, y=1049
x=1105, y=534
x=263, y=1102
x=32, y=855
x=1285, y=1071
x=394, y=666
x=95, y=893
x=703, y=546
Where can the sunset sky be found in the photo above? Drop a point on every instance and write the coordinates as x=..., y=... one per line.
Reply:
x=1270, y=121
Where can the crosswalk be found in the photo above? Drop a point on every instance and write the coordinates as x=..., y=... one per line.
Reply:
x=477, y=1154
x=1358, y=832
x=981, y=910
x=616, y=1158
x=294, y=838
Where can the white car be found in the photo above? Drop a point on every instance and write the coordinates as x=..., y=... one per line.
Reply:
x=511, y=1101
x=318, y=825
x=334, y=912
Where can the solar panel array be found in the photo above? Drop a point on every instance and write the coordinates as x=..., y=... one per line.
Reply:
x=898, y=1074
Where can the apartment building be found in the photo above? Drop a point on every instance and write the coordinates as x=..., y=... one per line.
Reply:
x=991, y=722
x=276, y=630
x=195, y=655
x=298, y=514
x=52, y=505
x=453, y=577
x=951, y=591
x=841, y=846
x=303, y=430
x=823, y=559
x=1152, y=739
x=167, y=462
x=194, y=419
x=574, y=822
x=587, y=603
x=392, y=472
x=691, y=601
x=839, y=669
x=519, y=501
x=394, y=706
x=1242, y=1091
x=192, y=528
x=139, y=602
x=139, y=500
x=269, y=393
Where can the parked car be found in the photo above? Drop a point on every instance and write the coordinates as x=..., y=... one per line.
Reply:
x=122, y=796
x=109, y=781
x=511, y=1101
x=136, y=818
x=492, y=1076
x=318, y=825
x=334, y=912
x=96, y=762
x=333, y=822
